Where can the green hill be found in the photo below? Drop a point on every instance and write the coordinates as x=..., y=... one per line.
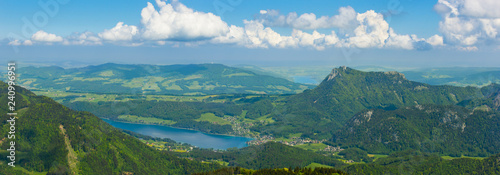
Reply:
x=54, y=139
x=155, y=79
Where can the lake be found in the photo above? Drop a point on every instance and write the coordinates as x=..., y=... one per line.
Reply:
x=195, y=138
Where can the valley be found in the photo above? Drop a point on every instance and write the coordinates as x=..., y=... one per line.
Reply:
x=336, y=124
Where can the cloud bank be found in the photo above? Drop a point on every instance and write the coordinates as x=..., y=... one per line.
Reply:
x=464, y=25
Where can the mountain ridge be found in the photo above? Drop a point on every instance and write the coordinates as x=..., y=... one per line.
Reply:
x=190, y=79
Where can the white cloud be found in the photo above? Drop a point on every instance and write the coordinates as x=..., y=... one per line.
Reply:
x=481, y=8
x=18, y=43
x=272, y=18
x=27, y=43
x=435, y=40
x=42, y=36
x=175, y=21
x=468, y=48
x=372, y=31
x=399, y=41
x=15, y=43
x=120, y=32
x=85, y=38
x=469, y=22
x=177, y=25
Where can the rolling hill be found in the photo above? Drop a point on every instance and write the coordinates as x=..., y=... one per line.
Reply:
x=193, y=79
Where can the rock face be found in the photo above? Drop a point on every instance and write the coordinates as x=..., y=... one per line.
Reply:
x=335, y=72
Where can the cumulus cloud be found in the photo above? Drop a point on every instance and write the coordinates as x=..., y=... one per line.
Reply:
x=272, y=18
x=27, y=43
x=175, y=24
x=121, y=32
x=468, y=48
x=42, y=36
x=372, y=31
x=175, y=21
x=435, y=40
x=256, y=35
x=469, y=22
x=15, y=43
x=85, y=38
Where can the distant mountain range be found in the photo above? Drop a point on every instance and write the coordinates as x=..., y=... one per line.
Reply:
x=457, y=76
x=193, y=79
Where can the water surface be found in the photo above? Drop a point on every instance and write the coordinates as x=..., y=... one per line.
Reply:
x=195, y=138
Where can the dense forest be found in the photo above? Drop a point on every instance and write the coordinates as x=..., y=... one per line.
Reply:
x=55, y=139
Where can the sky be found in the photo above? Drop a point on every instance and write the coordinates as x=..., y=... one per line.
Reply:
x=404, y=33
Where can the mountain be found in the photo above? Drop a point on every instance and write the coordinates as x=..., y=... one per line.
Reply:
x=156, y=79
x=54, y=139
x=345, y=92
x=443, y=129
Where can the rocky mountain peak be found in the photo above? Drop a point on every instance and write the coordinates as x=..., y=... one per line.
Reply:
x=336, y=72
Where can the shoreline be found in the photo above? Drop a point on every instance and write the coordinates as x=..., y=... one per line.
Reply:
x=177, y=128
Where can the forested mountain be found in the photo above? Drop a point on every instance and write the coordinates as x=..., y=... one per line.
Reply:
x=443, y=129
x=156, y=79
x=55, y=139
x=346, y=91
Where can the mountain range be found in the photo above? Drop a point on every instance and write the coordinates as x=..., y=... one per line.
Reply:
x=192, y=79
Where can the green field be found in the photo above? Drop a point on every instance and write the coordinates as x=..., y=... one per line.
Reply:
x=376, y=156
x=312, y=146
x=209, y=117
x=316, y=165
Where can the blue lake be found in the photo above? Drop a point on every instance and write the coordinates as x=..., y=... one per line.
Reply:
x=195, y=138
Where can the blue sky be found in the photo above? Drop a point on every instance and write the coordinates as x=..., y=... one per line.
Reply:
x=403, y=33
